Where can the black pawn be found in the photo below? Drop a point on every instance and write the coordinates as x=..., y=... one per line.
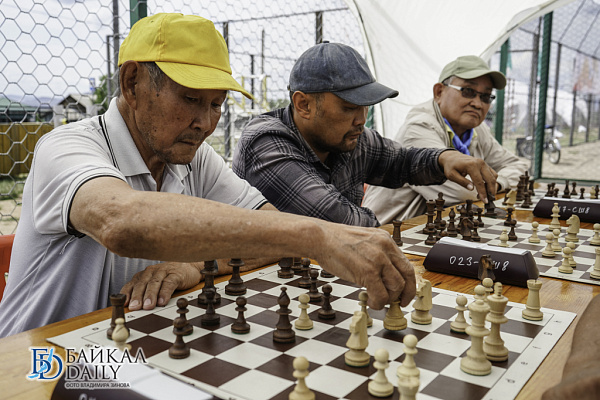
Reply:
x=182, y=309
x=304, y=281
x=397, y=233
x=118, y=304
x=509, y=212
x=574, y=191
x=479, y=220
x=240, y=325
x=490, y=207
x=210, y=317
x=296, y=265
x=236, y=286
x=431, y=235
x=179, y=349
x=211, y=269
x=285, y=271
x=556, y=190
x=512, y=235
x=326, y=311
x=313, y=293
x=452, y=231
x=567, y=191
x=526, y=200
x=284, y=332
x=582, y=191
x=474, y=234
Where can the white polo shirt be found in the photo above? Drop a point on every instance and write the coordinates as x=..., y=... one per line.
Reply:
x=55, y=275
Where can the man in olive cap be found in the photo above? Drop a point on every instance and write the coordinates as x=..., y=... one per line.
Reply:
x=314, y=157
x=110, y=197
x=454, y=118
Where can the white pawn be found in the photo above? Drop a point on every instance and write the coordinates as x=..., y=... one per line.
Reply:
x=408, y=368
x=572, y=262
x=301, y=391
x=488, y=284
x=380, y=386
x=555, y=245
x=363, y=297
x=460, y=324
x=596, y=271
x=503, y=238
x=120, y=335
x=534, y=236
x=596, y=239
x=303, y=322
x=548, y=252
x=565, y=267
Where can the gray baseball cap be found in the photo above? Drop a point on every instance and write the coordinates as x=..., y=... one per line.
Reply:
x=339, y=69
x=469, y=67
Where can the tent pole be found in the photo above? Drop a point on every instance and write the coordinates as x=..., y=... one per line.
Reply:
x=541, y=121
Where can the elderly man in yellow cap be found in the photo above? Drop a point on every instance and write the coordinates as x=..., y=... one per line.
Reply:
x=110, y=197
x=454, y=118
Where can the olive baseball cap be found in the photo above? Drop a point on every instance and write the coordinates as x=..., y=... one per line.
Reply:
x=469, y=67
x=339, y=69
x=187, y=48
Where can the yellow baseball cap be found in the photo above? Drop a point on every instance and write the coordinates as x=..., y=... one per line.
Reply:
x=187, y=48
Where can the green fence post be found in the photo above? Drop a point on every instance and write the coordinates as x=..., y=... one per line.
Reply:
x=138, y=10
x=544, y=73
x=499, y=121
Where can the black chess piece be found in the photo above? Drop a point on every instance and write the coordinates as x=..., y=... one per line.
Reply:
x=431, y=235
x=236, y=286
x=509, y=212
x=439, y=209
x=182, y=309
x=240, y=326
x=296, y=265
x=441, y=232
x=285, y=271
x=210, y=317
x=531, y=190
x=325, y=274
x=397, y=232
x=582, y=191
x=512, y=235
x=326, y=311
x=469, y=208
x=284, y=332
x=466, y=225
x=567, y=191
x=474, y=234
x=556, y=190
x=526, y=200
x=304, y=281
x=505, y=200
x=117, y=301
x=574, y=191
x=430, y=204
x=179, y=349
x=490, y=207
x=211, y=269
x=479, y=219
x=313, y=293
x=452, y=232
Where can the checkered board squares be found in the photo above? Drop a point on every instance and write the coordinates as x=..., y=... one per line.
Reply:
x=252, y=366
x=584, y=255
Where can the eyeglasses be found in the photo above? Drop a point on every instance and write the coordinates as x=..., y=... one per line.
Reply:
x=469, y=93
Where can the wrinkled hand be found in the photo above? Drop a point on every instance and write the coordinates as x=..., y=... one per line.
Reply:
x=369, y=257
x=155, y=285
x=457, y=166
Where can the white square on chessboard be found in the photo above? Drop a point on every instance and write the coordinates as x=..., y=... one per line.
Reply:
x=453, y=370
x=101, y=339
x=167, y=334
x=514, y=343
x=256, y=330
x=249, y=293
x=345, y=305
x=334, y=382
x=257, y=385
x=229, y=310
x=171, y=312
x=162, y=360
x=321, y=352
x=395, y=349
x=292, y=292
x=444, y=344
x=435, y=324
x=516, y=314
x=339, y=290
x=318, y=328
x=448, y=299
x=248, y=355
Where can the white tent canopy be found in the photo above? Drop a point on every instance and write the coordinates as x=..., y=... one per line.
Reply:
x=409, y=42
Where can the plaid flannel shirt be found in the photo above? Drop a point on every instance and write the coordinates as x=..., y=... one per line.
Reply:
x=274, y=157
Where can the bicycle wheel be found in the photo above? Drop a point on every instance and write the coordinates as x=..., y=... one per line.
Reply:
x=553, y=153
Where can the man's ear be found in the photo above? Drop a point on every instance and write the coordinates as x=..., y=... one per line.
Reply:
x=303, y=104
x=128, y=78
x=437, y=91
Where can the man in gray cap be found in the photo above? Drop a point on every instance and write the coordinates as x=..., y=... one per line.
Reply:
x=452, y=119
x=314, y=157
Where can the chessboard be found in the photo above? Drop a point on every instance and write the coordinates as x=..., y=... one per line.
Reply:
x=253, y=366
x=538, y=195
x=584, y=255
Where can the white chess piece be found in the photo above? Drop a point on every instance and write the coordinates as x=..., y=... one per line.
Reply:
x=548, y=252
x=555, y=245
x=534, y=238
x=596, y=271
x=493, y=345
x=120, y=335
x=596, y=239
x=460, y=323
x=301, y=391
x=303, y=322
x=422, y=304
x=363, y=297
x=394, y=318
x=572, y=262
x=380, y=386
x=408, y=368
x=503, y=238
x=476, y=362
x=555, y=224
x=358, y=342
x=565, y=267
x=532, y=308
